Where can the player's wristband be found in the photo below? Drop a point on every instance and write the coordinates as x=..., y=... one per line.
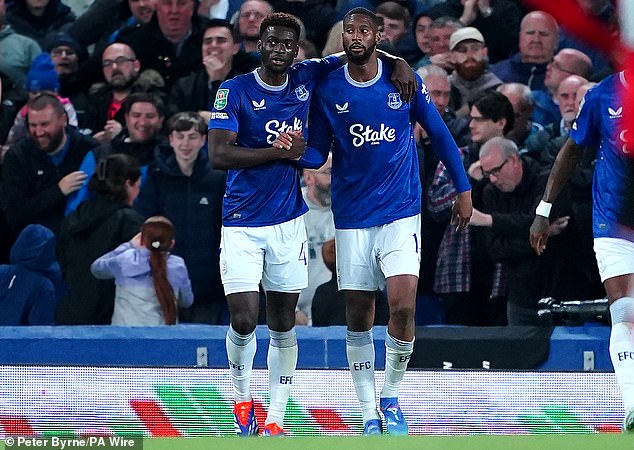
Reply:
x=543, y=209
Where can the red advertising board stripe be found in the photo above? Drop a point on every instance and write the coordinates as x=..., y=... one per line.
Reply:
x=154, y=418
x=16, y=426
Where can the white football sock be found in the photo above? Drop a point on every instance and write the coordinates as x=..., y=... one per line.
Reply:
x=397, y=355
x=622, y=347
x=282, y=360
x=360, y=351
x=240, y=352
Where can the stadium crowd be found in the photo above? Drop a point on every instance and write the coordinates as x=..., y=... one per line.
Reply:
x=83, y=80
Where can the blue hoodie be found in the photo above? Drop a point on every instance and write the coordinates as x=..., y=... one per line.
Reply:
x=31, y=286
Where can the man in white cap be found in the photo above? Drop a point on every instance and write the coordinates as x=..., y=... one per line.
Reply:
x=471, y=75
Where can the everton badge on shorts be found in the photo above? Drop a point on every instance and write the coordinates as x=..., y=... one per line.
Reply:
x=221, y=99
x=302, y=93
x=394, y=100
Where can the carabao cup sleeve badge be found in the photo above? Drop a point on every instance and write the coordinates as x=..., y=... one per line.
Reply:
x=221, y=99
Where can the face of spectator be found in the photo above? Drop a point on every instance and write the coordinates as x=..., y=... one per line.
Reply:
x=133, y=189
x=66, y=60
x=142, y=9
x=581, y=92
x=439, y=40
x=301, y=55
x=186, y=145
x=37, y=7
x=522, y=113
x=2, y=11
x=279, y=48
x=393, y=29
x=504, y=172
x=120, y=66
x=566, y=96
x=558, y=69
x=360, y=37
x=143, y=121
x=483, y=128
x=46, y=127
x=439, y=90
x=318, y=181
x=218, y=43
x=174, y=18
x=538, y=38
x=422, y=32
x=469, y=59
x=252, y=13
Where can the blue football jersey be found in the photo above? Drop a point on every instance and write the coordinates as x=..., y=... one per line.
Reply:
x=599, y=124
x=375, y=173
x=267, y=194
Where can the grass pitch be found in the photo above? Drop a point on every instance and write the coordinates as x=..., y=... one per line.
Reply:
x=480, y=442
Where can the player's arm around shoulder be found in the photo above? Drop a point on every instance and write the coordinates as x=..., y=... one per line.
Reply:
x=402, y=77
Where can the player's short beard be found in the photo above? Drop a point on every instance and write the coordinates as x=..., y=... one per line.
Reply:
x=473, y=72
x=360, y=59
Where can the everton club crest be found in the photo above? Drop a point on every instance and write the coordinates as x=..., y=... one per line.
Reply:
x=302, y=93
x=394, y=100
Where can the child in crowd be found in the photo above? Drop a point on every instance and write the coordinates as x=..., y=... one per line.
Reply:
x=149, y=281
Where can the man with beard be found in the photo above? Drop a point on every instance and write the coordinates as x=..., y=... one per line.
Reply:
x=40, y=172
x=263, y=232
x=120, y=70
x=378, y=238
x=470, y=76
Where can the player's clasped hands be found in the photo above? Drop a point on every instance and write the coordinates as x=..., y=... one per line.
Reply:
x=292, y=141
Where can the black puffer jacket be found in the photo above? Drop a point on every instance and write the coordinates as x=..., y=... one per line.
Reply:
x=57, y=16
x=96, y=227
x=194, y=205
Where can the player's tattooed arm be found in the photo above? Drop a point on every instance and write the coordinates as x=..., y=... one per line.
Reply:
x=224, y=154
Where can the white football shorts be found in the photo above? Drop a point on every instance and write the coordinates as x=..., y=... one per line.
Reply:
x=615, y=257
x=367, y=256
x=274, y=254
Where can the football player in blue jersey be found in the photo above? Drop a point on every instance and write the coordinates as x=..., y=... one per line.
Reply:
x=376, y=203
x=599, y=124
x=263, y=234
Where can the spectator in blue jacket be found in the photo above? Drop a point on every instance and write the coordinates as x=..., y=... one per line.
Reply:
x=31, y=285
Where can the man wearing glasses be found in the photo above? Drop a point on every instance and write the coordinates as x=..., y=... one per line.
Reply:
x=120, y=70
x=568, y=61
x=508, y=201
x=466, y=279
